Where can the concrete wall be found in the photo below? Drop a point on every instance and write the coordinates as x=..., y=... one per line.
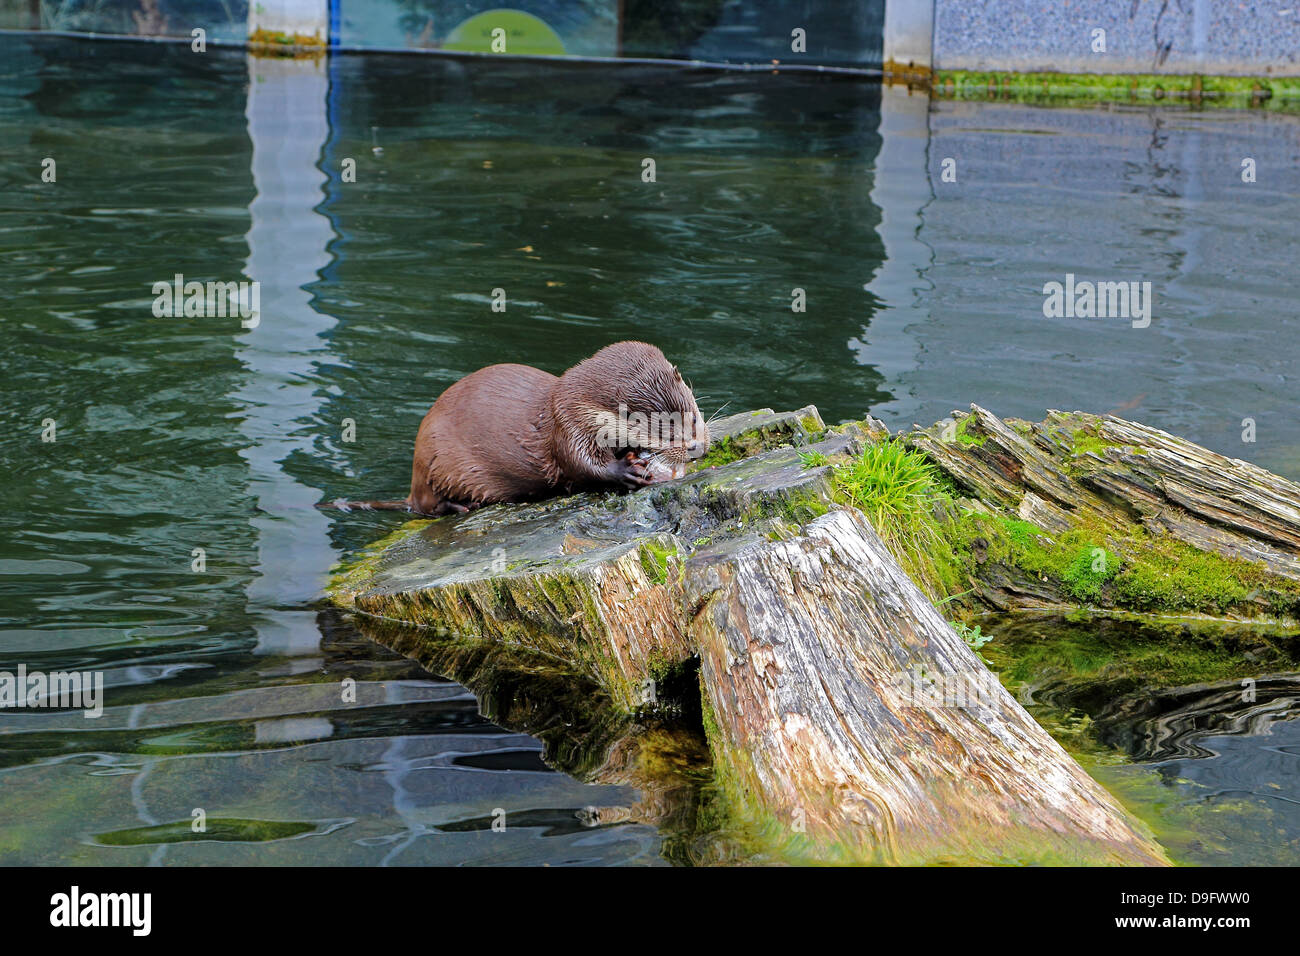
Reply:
x=840, y=33
x=1232, y=37
x=223, y=21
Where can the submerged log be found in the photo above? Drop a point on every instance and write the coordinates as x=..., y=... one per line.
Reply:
x=846, y=719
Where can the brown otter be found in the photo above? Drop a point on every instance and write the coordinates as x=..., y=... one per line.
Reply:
x=622, y=418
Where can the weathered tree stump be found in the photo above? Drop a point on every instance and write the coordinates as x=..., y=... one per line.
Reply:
x=846, y=720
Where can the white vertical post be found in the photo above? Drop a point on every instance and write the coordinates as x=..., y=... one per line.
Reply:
x=909, y=32
x=308, y=18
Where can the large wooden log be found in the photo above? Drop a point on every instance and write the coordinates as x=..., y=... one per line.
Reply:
x=846, y=720
x=1137, y=488
x=845, y=708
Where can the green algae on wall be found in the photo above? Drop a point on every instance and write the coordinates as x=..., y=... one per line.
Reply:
x=1086, y=89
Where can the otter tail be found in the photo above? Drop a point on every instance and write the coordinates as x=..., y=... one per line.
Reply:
x=342, y=505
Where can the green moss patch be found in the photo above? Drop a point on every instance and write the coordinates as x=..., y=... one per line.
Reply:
x=1087, y=443
x=723, y=452
x=1132, y=569
x=964, y=436
x=1077, y=559
x=655, y=560
x=1086, y=89
x=349, y=577
x=217, y=830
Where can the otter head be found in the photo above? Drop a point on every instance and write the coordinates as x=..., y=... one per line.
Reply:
x=629, y=398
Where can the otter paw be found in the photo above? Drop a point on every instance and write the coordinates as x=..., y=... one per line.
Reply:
x=630, y=472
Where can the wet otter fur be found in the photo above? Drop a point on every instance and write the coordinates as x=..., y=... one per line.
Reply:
x=621, y=418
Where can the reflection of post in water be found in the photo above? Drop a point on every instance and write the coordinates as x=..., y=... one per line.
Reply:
x=902, y=190
x=287, y=242
x=1152, y=689
x=584, y=734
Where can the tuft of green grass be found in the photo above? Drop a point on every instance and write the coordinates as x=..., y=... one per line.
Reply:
x=973, y=636
x=897, y=489
x=812, y=459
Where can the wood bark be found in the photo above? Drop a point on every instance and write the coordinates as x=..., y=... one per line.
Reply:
x=847, y=710
x=1075, y=466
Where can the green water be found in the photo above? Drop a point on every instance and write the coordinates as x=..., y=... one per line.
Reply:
x=174, y=434
x=1190, y=723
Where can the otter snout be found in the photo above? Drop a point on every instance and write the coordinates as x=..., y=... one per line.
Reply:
x=696, y=449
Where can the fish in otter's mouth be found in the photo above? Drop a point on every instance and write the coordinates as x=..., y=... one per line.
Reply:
x=655, y=466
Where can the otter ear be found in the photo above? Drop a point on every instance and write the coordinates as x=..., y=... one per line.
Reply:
x=677, y=373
